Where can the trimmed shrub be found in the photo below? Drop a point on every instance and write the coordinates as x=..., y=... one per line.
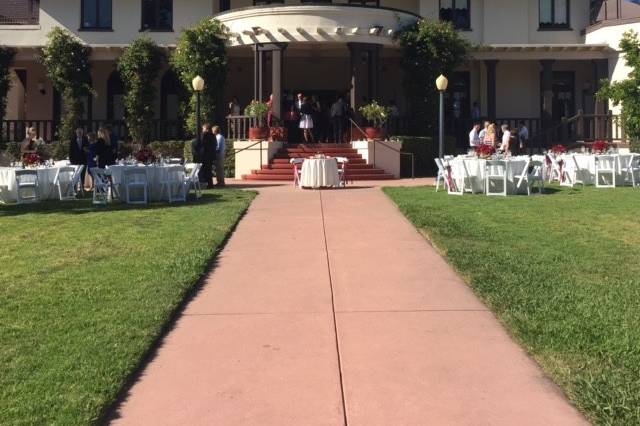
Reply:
x=425, y=150
x=169, y=149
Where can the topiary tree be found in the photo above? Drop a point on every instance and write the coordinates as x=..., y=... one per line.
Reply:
x=430, y=49
x=6, y=59
x=627, y=92
x=139, y=67
x=202, y=51
x=67, y=62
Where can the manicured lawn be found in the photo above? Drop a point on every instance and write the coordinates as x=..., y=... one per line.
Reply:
x=85, y=291
x=562, y=271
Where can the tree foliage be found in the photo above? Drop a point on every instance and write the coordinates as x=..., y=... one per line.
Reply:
x=6, y=59
x=202, y=51
x=67, y=62
x=627, y=92
x=430, y=49
x=139, y=67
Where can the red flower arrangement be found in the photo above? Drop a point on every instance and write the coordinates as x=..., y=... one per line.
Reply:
x=600, y=147
x=559, y=149
x=484, y=150
x=31, y=159
x=145, y=155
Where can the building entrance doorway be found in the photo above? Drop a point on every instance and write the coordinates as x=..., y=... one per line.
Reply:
x=322, y=126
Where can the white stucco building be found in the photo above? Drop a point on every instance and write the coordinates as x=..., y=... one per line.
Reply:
x=538, y=60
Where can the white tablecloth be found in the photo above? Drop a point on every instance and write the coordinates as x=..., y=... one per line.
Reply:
x=476, y=171
x=318, y=173
x=587, y=163
x=46, y=189
x=155, y=176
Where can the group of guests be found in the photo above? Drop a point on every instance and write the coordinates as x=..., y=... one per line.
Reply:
x=506, y=140
x=209, y=150
x=92, y=150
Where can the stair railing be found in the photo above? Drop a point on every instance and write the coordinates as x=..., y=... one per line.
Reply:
x=247, y=148
x=375, y=142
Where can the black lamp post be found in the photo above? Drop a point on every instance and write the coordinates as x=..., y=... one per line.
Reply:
x=198, y=87
x=441, y=85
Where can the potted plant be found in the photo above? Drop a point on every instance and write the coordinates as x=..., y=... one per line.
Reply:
x=258, y=111
x=377, y=115
x=600, y=147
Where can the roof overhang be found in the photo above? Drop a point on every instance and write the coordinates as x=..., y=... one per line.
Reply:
x=543, y=51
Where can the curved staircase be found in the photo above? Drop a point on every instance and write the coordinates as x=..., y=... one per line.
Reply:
x=279, y=167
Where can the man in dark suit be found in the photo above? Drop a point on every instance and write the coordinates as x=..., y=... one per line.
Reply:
x=78, y=148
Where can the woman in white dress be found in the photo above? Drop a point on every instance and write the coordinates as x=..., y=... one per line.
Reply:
x=306, y=120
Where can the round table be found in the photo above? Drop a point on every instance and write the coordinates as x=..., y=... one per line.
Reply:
x=46, y=189
x=155, y=175
x=475, y=169
x=320, y=173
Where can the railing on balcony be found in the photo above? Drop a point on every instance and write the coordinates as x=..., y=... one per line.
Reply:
x=19, y=12
x=238, y=126
x=161, y=130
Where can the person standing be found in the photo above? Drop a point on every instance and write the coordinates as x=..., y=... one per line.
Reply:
x=208, y=155
x=475, y=111
x=104, y=149
x=220, y=156
x=234, y=111
x=523, y=137
x=506, y=139
x=491, y=138
x=30, y=143
x=337, y=114
x=483, y=132
x=78, y=148
x=306, y=120
x=474, y=136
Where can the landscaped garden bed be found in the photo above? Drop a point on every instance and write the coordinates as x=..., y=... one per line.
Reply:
x=562, y=272
x=86, y=291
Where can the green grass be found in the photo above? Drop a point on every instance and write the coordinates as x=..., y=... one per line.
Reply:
x=85, y=291
x=562, y=271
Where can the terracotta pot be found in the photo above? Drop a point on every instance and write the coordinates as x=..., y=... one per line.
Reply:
x=357, y=135
x=374, y=133
x=258, y=133
x=278, y=134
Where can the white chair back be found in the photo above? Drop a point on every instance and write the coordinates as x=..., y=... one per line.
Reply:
x=496, y=173
x=342, y=170
x=441, y=174
x=175, y=183
x=605, y=171
x=135, y=185
x=101, y=186
x=64, y=181
x=26, y=186
x=193, y=178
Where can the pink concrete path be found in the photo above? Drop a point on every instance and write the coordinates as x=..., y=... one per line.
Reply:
x=328, y=308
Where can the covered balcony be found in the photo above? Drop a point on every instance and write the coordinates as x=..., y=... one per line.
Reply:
x=315, y=22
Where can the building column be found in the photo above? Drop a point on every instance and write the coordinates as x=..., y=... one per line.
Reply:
x=277, y=64
x=365, y=73
x=491, y=65
x=546, y=85
x=258, y=58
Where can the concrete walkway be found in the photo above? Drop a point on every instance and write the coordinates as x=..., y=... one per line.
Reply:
x=328, y=308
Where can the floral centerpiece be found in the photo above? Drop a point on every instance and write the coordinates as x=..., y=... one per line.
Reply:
x=559, y=149
x=484, y=151
x=145, y=155
x=377, y=115
x=258, y=111
x=31, y=160
x=600, y=147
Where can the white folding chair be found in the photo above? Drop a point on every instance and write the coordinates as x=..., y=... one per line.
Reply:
x=572, y=174
x=342, y=170
x=629, y=166
x=27, y=186
x=533, y=173
x=297, y=171
x=442, y=174
x=192, y=179
x=495, y=173
x=175, y=184
x=101, y=186
x=552, y=170
x=605, y=168
x=64, y=181
x=456, y=178
x=135, y=183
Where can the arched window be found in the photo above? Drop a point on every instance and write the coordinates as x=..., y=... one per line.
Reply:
x=115, y=97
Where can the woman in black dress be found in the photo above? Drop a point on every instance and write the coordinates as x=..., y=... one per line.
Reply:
x=105, y=150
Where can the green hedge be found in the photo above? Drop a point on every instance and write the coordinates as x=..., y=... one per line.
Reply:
x=425, y=150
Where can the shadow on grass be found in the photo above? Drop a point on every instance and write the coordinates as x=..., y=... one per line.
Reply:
x=84, y=206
